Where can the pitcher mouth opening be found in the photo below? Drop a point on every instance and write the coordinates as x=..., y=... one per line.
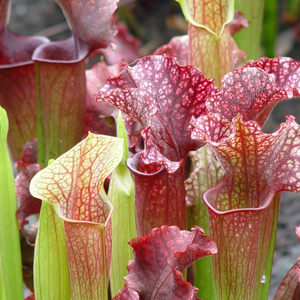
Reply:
x=137, y=166
x=207, y=201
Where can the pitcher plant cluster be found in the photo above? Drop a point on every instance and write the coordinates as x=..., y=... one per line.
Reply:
x=146, y=167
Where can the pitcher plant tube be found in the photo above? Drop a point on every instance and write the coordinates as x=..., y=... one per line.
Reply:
x=162, y=96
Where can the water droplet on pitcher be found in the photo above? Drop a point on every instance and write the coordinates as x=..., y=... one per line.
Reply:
x=263, y=279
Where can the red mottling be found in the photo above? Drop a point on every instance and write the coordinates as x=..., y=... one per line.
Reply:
x=255, y=164
x=29, y=205
x=162, y=96
x=29, y=155
x=177, y=47
x=159, y=195
x=285, y=70
x=253, y=90
x=101, y=117
x=159, y=260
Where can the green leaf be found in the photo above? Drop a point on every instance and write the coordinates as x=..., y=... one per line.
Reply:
x=2, y=292
x=269, y=263
x=269, y=30
x=10, y=251
x=249, y=38
x=121, y=193
x=206, y=173
x=51, y=276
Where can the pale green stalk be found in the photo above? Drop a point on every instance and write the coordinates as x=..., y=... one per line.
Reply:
x=10, y=251
x=121, y=193
x=269, y=262
x=270, y=30
x=249, y=38
x=51, y=276
x=207, y=172
x=2, y=292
